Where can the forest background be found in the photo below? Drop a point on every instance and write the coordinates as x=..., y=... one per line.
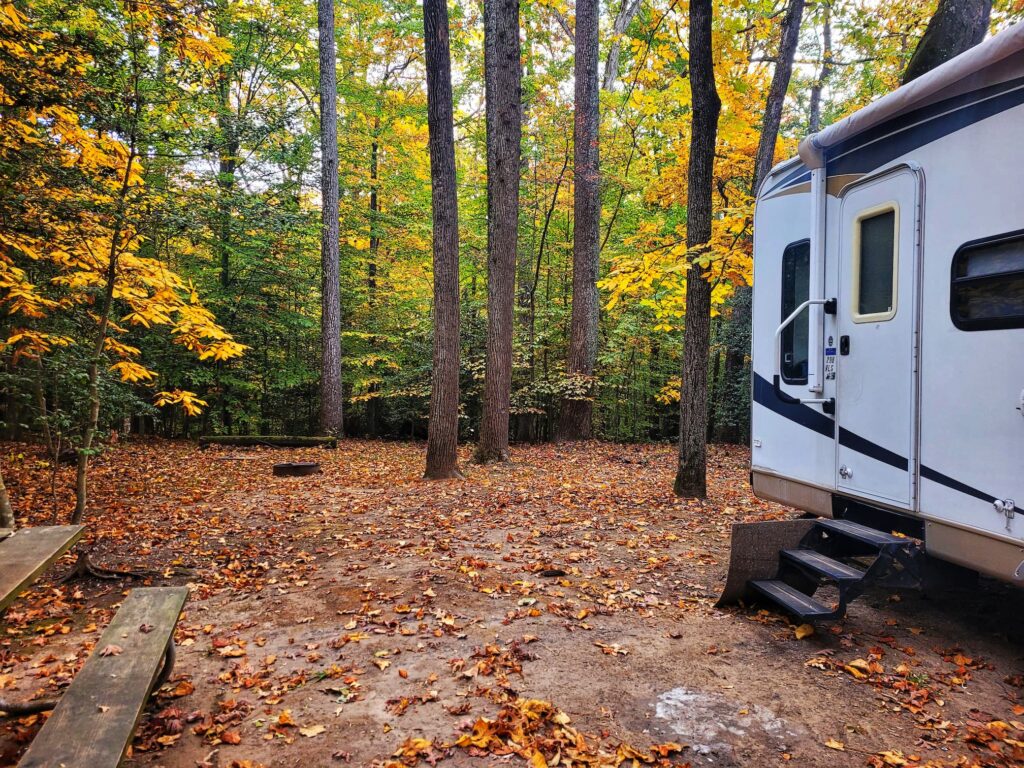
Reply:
x=160, y=209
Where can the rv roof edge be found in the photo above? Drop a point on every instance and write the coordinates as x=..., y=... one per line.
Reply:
x=989, y=52
x=778, y=168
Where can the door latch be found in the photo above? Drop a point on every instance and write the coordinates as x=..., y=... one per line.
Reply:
x=845, y=472
x=1007, y=508
x=844, y=345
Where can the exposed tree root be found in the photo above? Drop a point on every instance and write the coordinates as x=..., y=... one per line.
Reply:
x=86, y=567
x=23, y=708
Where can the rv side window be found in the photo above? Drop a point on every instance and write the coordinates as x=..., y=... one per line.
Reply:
x=874, y=277
x=988, y=284
x=796, y=286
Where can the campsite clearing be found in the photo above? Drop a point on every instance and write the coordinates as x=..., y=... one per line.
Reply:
x=339, y=618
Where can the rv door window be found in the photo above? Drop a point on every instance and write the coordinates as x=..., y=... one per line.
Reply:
x=988, y=284
x=875, y=262
x=796, y=288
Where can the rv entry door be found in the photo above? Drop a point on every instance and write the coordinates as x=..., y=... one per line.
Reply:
x=873, y=352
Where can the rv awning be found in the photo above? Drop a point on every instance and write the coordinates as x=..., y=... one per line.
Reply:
x=952, y=77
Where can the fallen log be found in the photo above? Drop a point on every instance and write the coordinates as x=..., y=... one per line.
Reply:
x=269, y=441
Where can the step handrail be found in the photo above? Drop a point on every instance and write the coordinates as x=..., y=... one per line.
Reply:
x=777, y=369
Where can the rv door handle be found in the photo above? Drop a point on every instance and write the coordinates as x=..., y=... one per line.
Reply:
x=844, y=345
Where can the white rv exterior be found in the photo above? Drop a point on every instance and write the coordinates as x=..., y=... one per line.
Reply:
x=903, y=400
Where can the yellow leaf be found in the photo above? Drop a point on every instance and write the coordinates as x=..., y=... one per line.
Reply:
x=804, y=630
x=858, y=668
x=837, y=745
x=893, y=757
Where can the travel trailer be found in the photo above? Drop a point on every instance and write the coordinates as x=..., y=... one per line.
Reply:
x=888, y=334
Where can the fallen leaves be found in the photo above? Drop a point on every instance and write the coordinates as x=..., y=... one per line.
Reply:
x=414, y=575
x=541, y=734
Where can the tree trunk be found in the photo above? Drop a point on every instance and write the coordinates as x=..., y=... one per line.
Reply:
x=330, y=313
x=443, y=430
x=735, y=357
x=691, y=477
x=6, y=512
x=956, y=26
x=503, y=75
x=814, y=119
x=788, y=39
x=622, y=21
x=93, y=420
x=576, y=416
x=371, y=268
x=44, y=413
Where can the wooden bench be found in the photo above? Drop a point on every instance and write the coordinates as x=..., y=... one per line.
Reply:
x=94, y=720
x=27, y=552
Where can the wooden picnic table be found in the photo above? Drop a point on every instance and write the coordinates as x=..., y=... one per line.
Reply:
x=93, y=722
x=28, y=552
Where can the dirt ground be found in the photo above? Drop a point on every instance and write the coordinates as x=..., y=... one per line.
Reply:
x=340, y=618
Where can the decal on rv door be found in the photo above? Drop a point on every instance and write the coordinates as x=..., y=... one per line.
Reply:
x=830, y=361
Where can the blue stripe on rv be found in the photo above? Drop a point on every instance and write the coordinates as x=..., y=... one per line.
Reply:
x=764, y=395
x=905, y=133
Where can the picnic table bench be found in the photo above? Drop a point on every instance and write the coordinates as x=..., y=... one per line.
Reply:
x=92, y=724
x=26, y=553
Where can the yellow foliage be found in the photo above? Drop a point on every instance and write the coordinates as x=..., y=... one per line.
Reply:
x=189, y=401
x=95, y=252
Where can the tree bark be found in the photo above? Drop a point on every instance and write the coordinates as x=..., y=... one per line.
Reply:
x=788, y=39
x=503, y=81
x=576, y=413
x=691, y=476
x=735, y=356
x=443, y=431
x=814, y=119
x=623, y=19
x=371, y=268
x=6, y=512
x=330, y=313
x=103, y=322
x=956, y=26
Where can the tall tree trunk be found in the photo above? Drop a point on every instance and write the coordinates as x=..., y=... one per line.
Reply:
x=330, y=312
x=227, y=166
x=6, y=512
x=735, y=356
x=627, y=11
x=956, y=26
x=371, y=268
x=576, y=415
x=691, y=477
x=103, y=322
x=503, y=76
x=443, y=431
x=373, y=403
x=814, y=118
x=788, y=39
